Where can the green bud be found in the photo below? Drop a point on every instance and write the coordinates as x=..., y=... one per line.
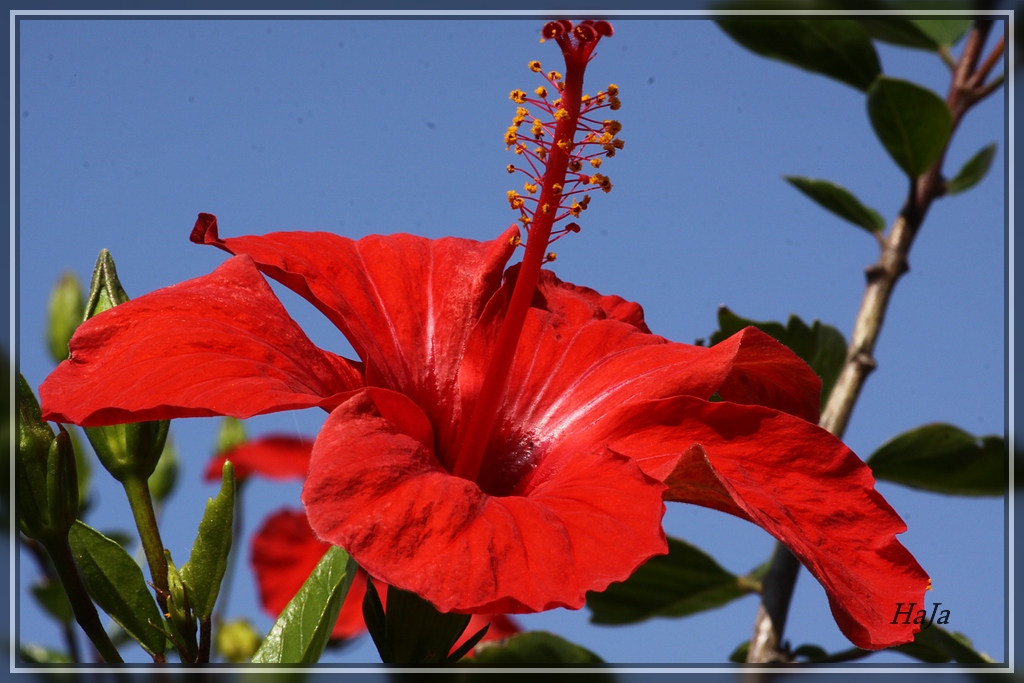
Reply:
x=237, y=641
x=231, y=434
x=67, y=310
x=47, y=477
x=62, y=483
x=34, y=439
x=165, y=476
x=105, y=292
x=179, y=610
x=129, y=449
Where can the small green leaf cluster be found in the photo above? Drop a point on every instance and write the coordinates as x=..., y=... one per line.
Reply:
x=913, y=123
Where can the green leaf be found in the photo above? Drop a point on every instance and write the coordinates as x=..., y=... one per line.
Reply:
x=37, y=654
x=301, y=632
x=416, y=632
x=944, y=459
x=534, y=647
x=739, y=655
x=922, y=34
x=936, y=645
x=205, y=568
x=973, y=171
x=116, y=584
x=913, y=123
x=54, y=600
x=838, y=48
x=823, y=347
x=945, y=32
x=683, y=582
x=839, y=201
x=899, y=31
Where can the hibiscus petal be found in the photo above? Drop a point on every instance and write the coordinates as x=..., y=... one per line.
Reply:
x=582, y=362
x=799, y=483
x=284, y=554
x=220, y=344
x=380, y=493
x=276, y=456
x=405, y=303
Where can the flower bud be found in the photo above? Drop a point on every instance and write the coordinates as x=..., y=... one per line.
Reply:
x=105, y=291
x=179, y=610
x=47, y=477
x=66, y=312
x=34, y=439
x=237, y=641
x=62, y=482
x=231, y=434
x=165, y=476
x=129, y=449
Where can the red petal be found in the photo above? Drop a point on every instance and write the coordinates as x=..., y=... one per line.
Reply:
x=405, y=303
x=584, y=360
x=799, y=483
x=380, y=493
x=220, y=344
x=278, y=456
x=284, y=554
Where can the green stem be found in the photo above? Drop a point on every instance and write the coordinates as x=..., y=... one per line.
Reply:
x=85, y=611
x=141, y=502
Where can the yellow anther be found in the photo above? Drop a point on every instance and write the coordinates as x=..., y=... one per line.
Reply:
x=535, y=66
x=554, y=76
x=613, y=90
x=537, y=129
x=557, y=189
x=613, y=127
x=613, y=103
x=515, y=200
x=510, y=168
x=596, y=163
x=565, y=146
x=525, y=220
x=514, y=240
x=517, y=96
x=530, y=188
x=585, y=99
x=510, y=136
x=557, y=103
x=550, y=256
x=522, y=111
x=541, y=91
x=561, y=115
x=576, y=209
x=520, y=149
x=541, y=153
x=606, y=138
x=545, y=209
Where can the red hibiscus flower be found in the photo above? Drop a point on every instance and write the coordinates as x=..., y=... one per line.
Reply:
x=285, y=551
x=505, y=443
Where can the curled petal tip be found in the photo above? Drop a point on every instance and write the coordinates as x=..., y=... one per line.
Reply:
x=205, y=230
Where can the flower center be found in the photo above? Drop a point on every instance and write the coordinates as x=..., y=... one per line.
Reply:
x=556, y=168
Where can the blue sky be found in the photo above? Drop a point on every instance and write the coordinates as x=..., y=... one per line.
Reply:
x=130, y=128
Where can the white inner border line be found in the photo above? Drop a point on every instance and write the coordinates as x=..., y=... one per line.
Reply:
x=1005, y=14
